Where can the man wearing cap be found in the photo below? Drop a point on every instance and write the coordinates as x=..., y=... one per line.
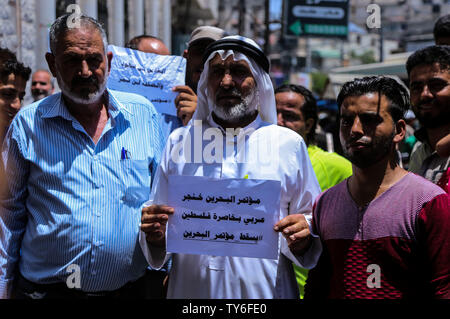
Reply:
x=186, y=101
x=236, y=101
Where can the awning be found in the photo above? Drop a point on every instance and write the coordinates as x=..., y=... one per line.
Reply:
x=336, y=81
x=326, y=53
x=395, y=66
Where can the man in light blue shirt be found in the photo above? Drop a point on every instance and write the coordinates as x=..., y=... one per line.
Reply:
x=79, y=166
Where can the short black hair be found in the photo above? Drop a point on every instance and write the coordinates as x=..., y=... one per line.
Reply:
x=442, y=27
x=5, y=55
x=10, y=65
x=427, y=56
x=396, y=93
x=134, y=43
x=308, y=109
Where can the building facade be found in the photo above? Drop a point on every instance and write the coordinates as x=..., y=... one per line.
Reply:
x=24, y=24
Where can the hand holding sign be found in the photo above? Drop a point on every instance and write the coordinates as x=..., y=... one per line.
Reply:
x=150, y=75
x=296, y=231
x=186, y=102
x=224, y=217
x=153, y=223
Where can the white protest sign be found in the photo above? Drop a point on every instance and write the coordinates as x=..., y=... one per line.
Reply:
x=150, y=75
x=223, y=217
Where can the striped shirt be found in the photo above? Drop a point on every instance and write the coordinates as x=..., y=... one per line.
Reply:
x=74, y=202
x=169, y=123
x=394, y=247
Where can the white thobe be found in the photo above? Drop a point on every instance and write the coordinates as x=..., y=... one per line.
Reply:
x=261, y=151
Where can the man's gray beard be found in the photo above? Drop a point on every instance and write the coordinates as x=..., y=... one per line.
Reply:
x=38, y=97
x=91, y=98
x=237, y=112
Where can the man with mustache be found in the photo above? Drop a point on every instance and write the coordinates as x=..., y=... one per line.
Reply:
x=297, y=110
x=41, y=84
x=385, y=232
x=429, y=83
x=186, y=101
x=79, y=165
x=13, y=79
x=236, y=102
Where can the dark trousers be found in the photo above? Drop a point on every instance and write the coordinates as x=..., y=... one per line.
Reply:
x=149, y=286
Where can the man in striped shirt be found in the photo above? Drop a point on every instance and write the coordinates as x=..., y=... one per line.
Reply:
x=79, y=165
x=385, y=232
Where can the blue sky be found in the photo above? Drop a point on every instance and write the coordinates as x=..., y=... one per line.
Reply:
x=275, y=9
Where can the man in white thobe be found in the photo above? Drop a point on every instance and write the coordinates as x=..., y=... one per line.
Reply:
x=236, y=110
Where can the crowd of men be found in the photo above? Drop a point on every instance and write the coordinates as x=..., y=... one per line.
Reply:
x=85, y=175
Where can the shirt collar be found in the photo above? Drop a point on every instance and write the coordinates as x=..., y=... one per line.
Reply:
x=55, y=107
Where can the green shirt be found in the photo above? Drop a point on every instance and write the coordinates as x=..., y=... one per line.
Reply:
x=330, y=169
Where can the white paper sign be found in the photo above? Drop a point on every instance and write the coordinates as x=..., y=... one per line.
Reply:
x=150, y=75
x=223, y=217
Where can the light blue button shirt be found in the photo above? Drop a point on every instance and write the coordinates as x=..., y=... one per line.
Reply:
x=168, y=124
x=72, y=201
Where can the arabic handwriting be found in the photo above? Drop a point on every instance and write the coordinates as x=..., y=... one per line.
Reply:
x=247, y=236
x=253, y=220
x=249, y=200
x=148, y=70
x=193, y=197
x=189, y=234
x=144, y=83
x=203, y=215
x=230, y=199
x=229, y=217
x=224, y=235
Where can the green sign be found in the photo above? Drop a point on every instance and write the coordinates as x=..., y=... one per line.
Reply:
x=317, y=18
x=296, y=28
x=338, y=30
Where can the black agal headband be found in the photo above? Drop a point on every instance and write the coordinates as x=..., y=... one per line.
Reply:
x=241, y=46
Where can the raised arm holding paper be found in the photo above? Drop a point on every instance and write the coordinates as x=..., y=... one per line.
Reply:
x=233, y=136
x=186, y=101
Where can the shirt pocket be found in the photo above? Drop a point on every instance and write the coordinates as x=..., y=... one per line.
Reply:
x=136, y=179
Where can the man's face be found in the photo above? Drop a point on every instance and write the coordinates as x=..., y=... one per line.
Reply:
x=232, y=87
x=194, y=62
x=12, y=93
x=80, y=65
x=366, y=133
x=41, y=85
x=289, y=112
x=430, y=95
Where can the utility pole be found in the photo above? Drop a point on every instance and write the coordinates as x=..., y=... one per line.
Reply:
x=19, y=29
x=267, y=32
x=242, y=12
x=381, y=37
x=221, y=16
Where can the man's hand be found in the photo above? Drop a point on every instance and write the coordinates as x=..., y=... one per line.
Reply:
x=186, y=103
x=296, y=231
x=153, y=223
